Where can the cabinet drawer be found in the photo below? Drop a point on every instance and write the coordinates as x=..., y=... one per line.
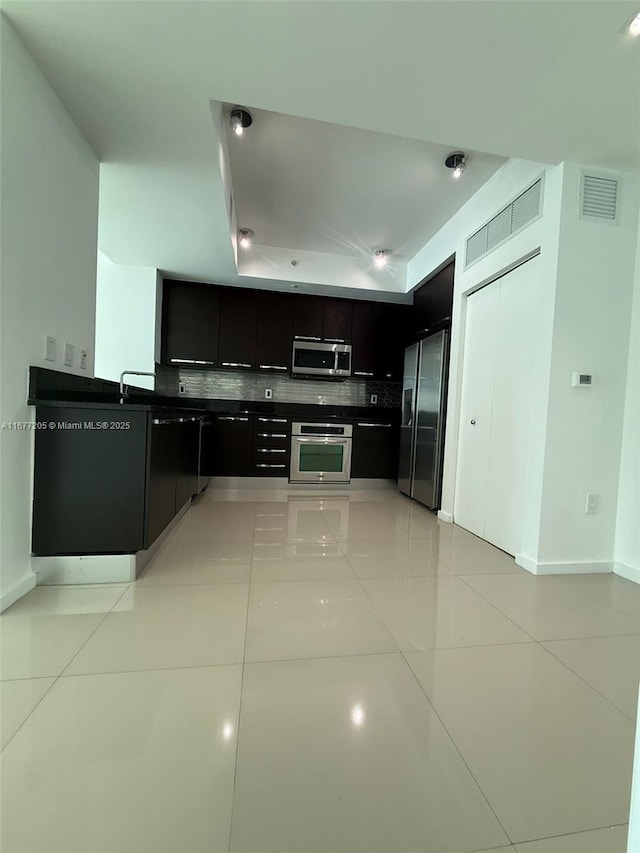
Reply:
x=268, y=424
x=271, y=454
x=271, y=438
x=271, y=468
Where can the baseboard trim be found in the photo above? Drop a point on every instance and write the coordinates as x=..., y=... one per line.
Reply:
x=22, y=587
x=630, y=573
x=99, y=568
x=283, y=483
x=445, y=516
x=143, y=558
x=585, y=568
x=84, y=569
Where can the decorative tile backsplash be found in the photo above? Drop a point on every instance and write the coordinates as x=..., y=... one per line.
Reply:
x=235, y=385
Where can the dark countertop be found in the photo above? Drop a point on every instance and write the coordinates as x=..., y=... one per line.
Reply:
x=52, y=389
x=179, y=405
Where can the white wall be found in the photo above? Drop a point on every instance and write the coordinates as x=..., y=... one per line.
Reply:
x=500, y=190
x=49, y=229
x=591, y=334
x=127, y=321
x=585, y=285
x=627, y=541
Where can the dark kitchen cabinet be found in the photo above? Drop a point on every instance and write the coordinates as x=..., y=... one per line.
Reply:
x=308, y=313
x=271, y=446
x=238, y=328
x=337, y=320
x=433, y=303
x=379, y=333
x=89, y=482
x=187, y=469
x=107, y=481
x=232, y=439
x=274, y=332
x=190, y=324
x=374, y=453
x=163, y=476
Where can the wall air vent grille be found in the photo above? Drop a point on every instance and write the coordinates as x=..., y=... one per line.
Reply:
x=522, y=211
x=598, y=198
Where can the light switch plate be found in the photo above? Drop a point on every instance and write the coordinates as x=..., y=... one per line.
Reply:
x=83, y=359
x=68, y=354
x=374, y=399
x=50, y=348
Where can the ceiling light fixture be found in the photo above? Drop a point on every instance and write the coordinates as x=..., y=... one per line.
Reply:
x=633, y=27
x=457, y=161
x=240, y=119
x=381, y=258
x=245, y=238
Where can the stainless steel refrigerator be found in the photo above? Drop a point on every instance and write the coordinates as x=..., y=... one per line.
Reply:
x=424, y=387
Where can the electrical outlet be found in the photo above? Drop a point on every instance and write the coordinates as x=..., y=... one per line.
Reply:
x=268, y=393
x=374, y=399
x=83, y=359
x=591, y=504
x=50, y=349
x=68, y=354
x=182, y=388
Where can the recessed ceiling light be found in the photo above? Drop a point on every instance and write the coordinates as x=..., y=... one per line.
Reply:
x=634, y=25
x=456, y=161
x=381, y=258
x=245, y=237
x=240, y=119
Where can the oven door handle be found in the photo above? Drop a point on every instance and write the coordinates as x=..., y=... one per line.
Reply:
x=321, y=440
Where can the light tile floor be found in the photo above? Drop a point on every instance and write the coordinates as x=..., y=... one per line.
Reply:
x=334, y=673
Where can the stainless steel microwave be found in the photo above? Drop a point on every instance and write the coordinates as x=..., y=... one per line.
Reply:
x=321, y=359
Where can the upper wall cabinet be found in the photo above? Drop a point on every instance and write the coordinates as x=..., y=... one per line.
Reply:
x=337, y=320
x=308, y=313
x=433, y=302
x=379, y=332
x=322, y=318
x=275, y=332
x=238, y=327
x=190, y=324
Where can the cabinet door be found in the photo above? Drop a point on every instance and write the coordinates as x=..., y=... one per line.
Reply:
x=391, y=341
x=231, y=453
x=275, y=332
x=187, y=473
x=374, y=453
x=368, y=325
x=89, y=484
x=238, y=326
x=190, y=321
x=162, y=480
x=337, y=320
x=308, y=313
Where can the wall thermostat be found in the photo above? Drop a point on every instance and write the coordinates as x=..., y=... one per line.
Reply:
x=581, y=380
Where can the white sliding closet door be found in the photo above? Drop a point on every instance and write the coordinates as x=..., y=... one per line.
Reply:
x=478, y=368
x=499, y=365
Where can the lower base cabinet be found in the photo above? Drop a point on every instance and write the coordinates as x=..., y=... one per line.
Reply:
x=109, y=481
x=374, y=452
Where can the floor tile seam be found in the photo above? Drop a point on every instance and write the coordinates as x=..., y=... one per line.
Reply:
x=242, y=671
x=584, y=681
x=56, y=678
x=496, y=608
x=172, y=668
x=100, y=623
x=164, y=585
x=570, y=834
x=376, y=611
x=324, y=657
x=459, y=751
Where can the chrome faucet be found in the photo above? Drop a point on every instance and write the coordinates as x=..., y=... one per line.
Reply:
x=124, y=394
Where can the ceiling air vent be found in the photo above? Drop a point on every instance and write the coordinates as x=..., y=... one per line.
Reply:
x=523, y=210
x=598, y=198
